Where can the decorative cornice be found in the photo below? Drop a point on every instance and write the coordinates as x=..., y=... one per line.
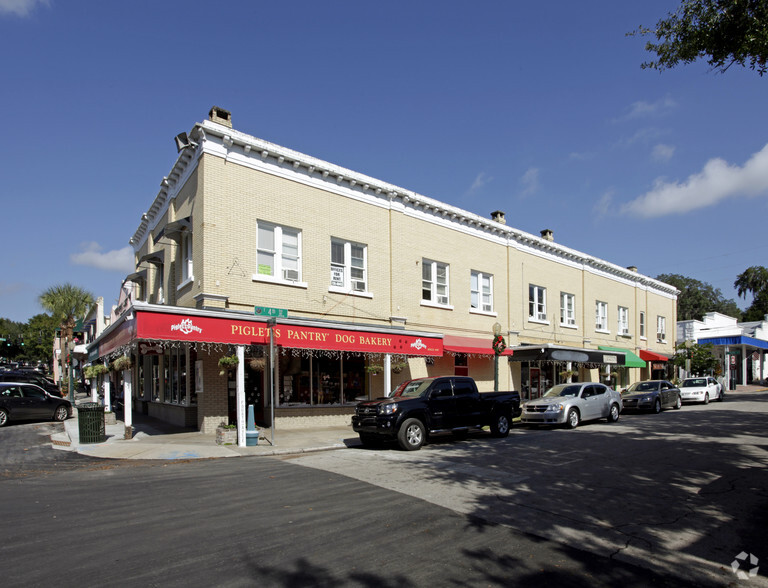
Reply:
x=219, y=140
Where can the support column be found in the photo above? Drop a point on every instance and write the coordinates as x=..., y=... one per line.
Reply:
x=127, y=404
x=240, y=396
x=387, y=375
x=744, y=378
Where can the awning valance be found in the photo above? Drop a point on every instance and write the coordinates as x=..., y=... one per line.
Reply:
x=651, y=356
x=471, y=345
x=631, y=359
x=552, y=352
x=736, y=340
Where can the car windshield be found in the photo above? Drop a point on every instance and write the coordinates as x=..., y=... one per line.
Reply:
x=642, y=387
x=413, y=389
x=694, y=382
x=563, y=390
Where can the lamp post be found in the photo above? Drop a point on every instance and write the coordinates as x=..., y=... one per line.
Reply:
x=688, y=345
x=498, y=348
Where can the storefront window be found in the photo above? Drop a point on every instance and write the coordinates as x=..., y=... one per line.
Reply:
x=175, y=380
x=317, y=381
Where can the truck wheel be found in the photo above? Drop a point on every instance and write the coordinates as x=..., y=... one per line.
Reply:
x=573, y=419
x=500, y=425
x=411, y=435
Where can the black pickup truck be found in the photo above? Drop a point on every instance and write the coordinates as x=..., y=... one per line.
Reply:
x=425, y=406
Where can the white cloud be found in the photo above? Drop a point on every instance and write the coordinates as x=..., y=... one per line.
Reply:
x=119, y=260
x=530, y=181
x=20, y=7
x=716, y=182
x=480, y=182
x=643, y=109
x=604, y=206
x=662, y=153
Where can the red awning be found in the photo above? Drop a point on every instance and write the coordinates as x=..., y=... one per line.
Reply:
x=651, y=356
x=471, y=345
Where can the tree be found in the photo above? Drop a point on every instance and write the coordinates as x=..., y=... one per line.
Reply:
x=66, y=303
x=703, y=360
x=754, y=281
x=11, y=349
x=726, y=32
x=697, y=298
x=38, y=337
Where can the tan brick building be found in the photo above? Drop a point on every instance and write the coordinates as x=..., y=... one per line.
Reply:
x=241, y=223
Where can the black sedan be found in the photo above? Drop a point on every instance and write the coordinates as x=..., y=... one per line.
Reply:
x=651, y=395
x=22, y=401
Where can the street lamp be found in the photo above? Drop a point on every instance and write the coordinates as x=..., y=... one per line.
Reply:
x=498, y=348
x=688, y=345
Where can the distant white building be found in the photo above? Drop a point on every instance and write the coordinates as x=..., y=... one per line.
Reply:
x=741, y=347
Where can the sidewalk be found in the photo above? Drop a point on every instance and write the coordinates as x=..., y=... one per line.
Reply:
x=154, y=439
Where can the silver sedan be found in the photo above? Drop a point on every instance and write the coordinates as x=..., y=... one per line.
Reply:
x=570, y=404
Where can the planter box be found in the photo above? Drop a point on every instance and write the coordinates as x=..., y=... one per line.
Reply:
x=226, y=436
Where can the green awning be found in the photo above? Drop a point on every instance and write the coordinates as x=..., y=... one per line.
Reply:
x=632, y=360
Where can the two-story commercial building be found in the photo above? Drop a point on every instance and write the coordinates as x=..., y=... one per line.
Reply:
x=356, y=285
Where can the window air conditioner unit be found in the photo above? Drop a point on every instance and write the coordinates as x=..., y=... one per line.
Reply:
x=291, y=275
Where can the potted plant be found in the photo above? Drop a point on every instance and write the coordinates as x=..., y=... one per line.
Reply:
x=226, y=434
x=257, y=363
x=227, y=363
x=374, y=369
x=94, y=371
x=568, y=374
x=122, y=363
x=399, y=366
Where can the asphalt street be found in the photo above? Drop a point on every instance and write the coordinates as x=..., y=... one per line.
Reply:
x=260, y=521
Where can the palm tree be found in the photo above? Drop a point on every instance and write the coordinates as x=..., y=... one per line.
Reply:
x=754, y=280
x=66, y=303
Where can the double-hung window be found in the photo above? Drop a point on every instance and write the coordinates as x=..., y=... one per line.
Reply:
x=623, y=319
x=567, y=309
x=348, y=266
x=278, y=253
x=642, y=324
x=481, y=292
x=537, y=303
x=661, y=329
x=601, y=316
x=434, y=282
x=186, y=257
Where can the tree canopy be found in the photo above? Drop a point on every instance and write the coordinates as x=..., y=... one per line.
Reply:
x=703, y=360
x=754, y=281
x=66, y=303
x=697, y=298
x=725, y=32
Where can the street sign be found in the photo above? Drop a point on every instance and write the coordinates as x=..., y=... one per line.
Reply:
x=272, y=312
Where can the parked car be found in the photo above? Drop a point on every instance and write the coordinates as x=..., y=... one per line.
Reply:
x=427, y=406
x=652, y=395
x=570, y=404
x=31, y=377
x=22, y=401
x=702, y=389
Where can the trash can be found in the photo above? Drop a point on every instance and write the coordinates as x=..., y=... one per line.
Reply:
x=90, y=421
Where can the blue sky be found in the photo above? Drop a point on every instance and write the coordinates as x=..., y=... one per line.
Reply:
x=537, y=109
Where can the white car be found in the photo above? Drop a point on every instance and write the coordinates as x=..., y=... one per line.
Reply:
x=701, y=389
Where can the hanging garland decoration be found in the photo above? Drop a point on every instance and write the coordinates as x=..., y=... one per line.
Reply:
x=499, y=345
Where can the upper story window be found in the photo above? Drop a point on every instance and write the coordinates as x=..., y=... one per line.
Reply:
x=661, y=329
x=349, y=262
x=278, y=253
x=186, y=257
x=481, y=292
x=601, y=316
x=537, y=303
x=434, y=282
x=623, y=320
x=567, y=309
x=642, y=324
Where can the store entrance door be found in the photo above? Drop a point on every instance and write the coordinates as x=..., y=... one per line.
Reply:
x=536, y=383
